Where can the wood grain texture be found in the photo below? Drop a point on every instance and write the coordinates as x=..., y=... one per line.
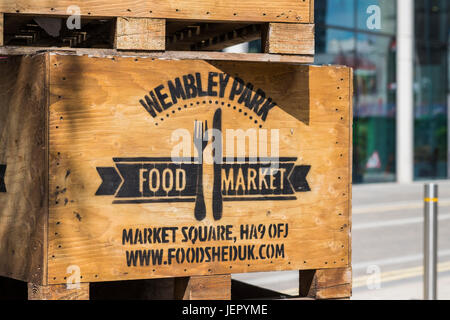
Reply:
x=215, y=10
x=172, y=55
x=23, y=149
x=95, y=116
x=140, y=34
x=2, y=31
x=57, y=292
x=289, y=38
x=217, y=287
x=350, y=161
x=326, y=283
x=311, y=11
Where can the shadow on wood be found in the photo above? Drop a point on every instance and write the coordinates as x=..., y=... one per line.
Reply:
x=11, y=289
x=245, y=291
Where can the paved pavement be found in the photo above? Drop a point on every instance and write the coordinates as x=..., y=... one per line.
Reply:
x=387, y=239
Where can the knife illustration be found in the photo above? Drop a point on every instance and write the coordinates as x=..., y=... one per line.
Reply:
x=217, y=202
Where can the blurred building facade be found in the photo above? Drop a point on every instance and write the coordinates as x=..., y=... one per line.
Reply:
x=363, y=34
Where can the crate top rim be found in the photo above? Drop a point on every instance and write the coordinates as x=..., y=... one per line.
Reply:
x=161, y=55
x=169, y=55
x=293, y=11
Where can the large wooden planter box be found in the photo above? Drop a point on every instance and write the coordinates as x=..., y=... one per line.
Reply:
x=92, y=187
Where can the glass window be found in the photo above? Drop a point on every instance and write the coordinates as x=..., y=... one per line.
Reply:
x=369, y=11
x=335, y=13
x=431, y=89
x=342, y=37
x=334, y=46
x=374, y=130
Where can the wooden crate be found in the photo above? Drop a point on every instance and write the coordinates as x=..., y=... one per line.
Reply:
x=286, y=28
x=85, y=138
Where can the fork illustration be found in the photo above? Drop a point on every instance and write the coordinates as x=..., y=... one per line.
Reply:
x=200, y=143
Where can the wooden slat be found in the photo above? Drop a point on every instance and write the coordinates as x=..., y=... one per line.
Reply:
x=311, y=11
x=217, y=287
x=2, y=31
x=175, y=55
x=350, y=161
x=289, y=38
x=326, y=283
x=334, y=283
x=212, y=10
x=58, y=292
x=23, y=146
x=140, y=34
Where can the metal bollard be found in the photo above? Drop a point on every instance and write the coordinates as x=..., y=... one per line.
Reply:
x=430, y=241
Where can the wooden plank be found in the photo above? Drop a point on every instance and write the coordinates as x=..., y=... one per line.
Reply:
x=2, y=21
x=311, y=11
x=23, y=146
x=350, y=162
x=211, y=10
x=217, y=287
x=167, y=55
x=57, y=292
x=289, y=38
x=140, y=34
x=326, y=283
x=96, y=117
